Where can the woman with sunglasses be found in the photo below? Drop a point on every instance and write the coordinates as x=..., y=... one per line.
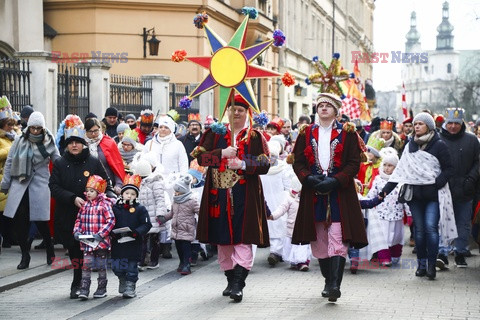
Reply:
x=26, y=178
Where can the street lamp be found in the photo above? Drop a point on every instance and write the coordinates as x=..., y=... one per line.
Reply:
x=153, y=43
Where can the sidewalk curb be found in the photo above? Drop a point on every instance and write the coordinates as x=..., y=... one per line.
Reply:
x=18, y=283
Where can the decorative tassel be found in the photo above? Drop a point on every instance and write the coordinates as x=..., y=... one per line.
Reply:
x=251, y=12
x=288, y=79
x=279, y=38
x=185, y=103
x=179, y=55
x=200, y=20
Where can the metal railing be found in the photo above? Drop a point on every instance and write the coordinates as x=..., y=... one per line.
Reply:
x=130, y=94
x=15, y=82
x=73, y=91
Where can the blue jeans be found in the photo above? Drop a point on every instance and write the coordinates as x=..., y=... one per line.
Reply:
x=125, y=268
x=463, y=216
x=426, y=215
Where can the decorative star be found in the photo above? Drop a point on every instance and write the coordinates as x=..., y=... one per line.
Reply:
x=230, y=67
x=329, y=79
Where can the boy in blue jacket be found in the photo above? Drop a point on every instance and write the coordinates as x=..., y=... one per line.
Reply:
x=126, y=254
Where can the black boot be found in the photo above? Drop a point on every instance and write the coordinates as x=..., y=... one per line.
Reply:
x=230, y=275
x=25, y=262
x=50, y=251
x=325, y=269
x=239, y=276
x=422, y=268
x=166, y=250
x=431, y=271
x=337, y=265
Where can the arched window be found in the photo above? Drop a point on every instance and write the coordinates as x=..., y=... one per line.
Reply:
x=449, y=68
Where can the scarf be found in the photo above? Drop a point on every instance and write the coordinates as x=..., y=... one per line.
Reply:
x=127, y=156
x=93, y=144
x=383, y=175
x=389, y=142
x=277, y=167
x=182, y=197
x=421, y=168
x=422, y=141
x=29, y=151
x=163, y=141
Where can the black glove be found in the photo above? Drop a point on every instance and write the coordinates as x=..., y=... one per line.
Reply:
x=115, y=236
x=328, y=184
x=314, y=179
x=132, y=234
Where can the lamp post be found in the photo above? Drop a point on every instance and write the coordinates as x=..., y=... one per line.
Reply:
x=153, y=43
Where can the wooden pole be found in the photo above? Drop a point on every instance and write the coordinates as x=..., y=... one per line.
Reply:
x=230, y=119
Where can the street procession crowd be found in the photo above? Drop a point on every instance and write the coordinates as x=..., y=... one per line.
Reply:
x=117, y=192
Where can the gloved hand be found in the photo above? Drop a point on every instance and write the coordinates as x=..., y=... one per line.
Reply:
x=328, y=184
x=5, y=191
x=77, y=235
x=97, y=237
x=114, y=236
x=161, y=219
x=314, y=179
x=132, y=234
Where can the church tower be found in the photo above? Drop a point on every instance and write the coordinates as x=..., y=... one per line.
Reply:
x=445, y=36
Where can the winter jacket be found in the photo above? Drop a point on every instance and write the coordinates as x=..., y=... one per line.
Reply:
x=111, y=131
x=139, y=222
x=152, y=197
x=290, y=207
x=183, y=219
x=5, y=144
x=171, y=154
x=464, y=150
x=68, y=180
x=35, y=185
x=96, y=216
x=189, y=142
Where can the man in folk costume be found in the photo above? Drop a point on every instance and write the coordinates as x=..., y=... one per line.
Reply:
x=327, y=157
x=232, y=212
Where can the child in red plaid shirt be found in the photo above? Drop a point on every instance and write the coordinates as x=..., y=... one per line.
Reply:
x=95, y=218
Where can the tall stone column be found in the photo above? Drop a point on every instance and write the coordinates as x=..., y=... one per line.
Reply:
x=43, y=84
x=160, y=92
x=99, y=86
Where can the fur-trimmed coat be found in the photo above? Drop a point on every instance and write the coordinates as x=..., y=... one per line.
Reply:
x=346, y=163
x=246, y=223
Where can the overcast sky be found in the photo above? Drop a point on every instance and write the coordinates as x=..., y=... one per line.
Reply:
x=392, y=22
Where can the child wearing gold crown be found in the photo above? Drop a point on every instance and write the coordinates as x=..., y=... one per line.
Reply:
x=126, y=254
x=95, y=218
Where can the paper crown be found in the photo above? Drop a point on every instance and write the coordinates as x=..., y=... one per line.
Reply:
x=277, y=123
x=174, y=115
x=97, y=183
x=73, y=127
x=374, y=145
x=454, y=115
x=5, y=108
x=147, y=116
x=194, y=116
x=132, y=180
x=130, y=134
x=386, y=125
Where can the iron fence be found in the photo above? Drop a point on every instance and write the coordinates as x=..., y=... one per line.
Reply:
x=130, y=94
x=73, y=91
x=177, y=92
x=15, y=82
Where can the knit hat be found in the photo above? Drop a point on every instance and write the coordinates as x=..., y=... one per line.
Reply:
x=26, y=112
x=425, y=118
x=166, y=121
x=280, y=138
x=274, y=147
x=277, y=123
x=208, y=121
x=111, y=112
x=129, y=136
x=90, y=115
x=183, y=184
x=143, y=168
x=196, y=174
x=131, y=182
x=389, y=155
x=122, y=127
x=330, y=98
x=130, y=116
x=454, y=115
x=36, y=119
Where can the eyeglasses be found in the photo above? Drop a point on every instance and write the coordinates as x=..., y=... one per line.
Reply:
x=36, y=128
x=94, y=131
